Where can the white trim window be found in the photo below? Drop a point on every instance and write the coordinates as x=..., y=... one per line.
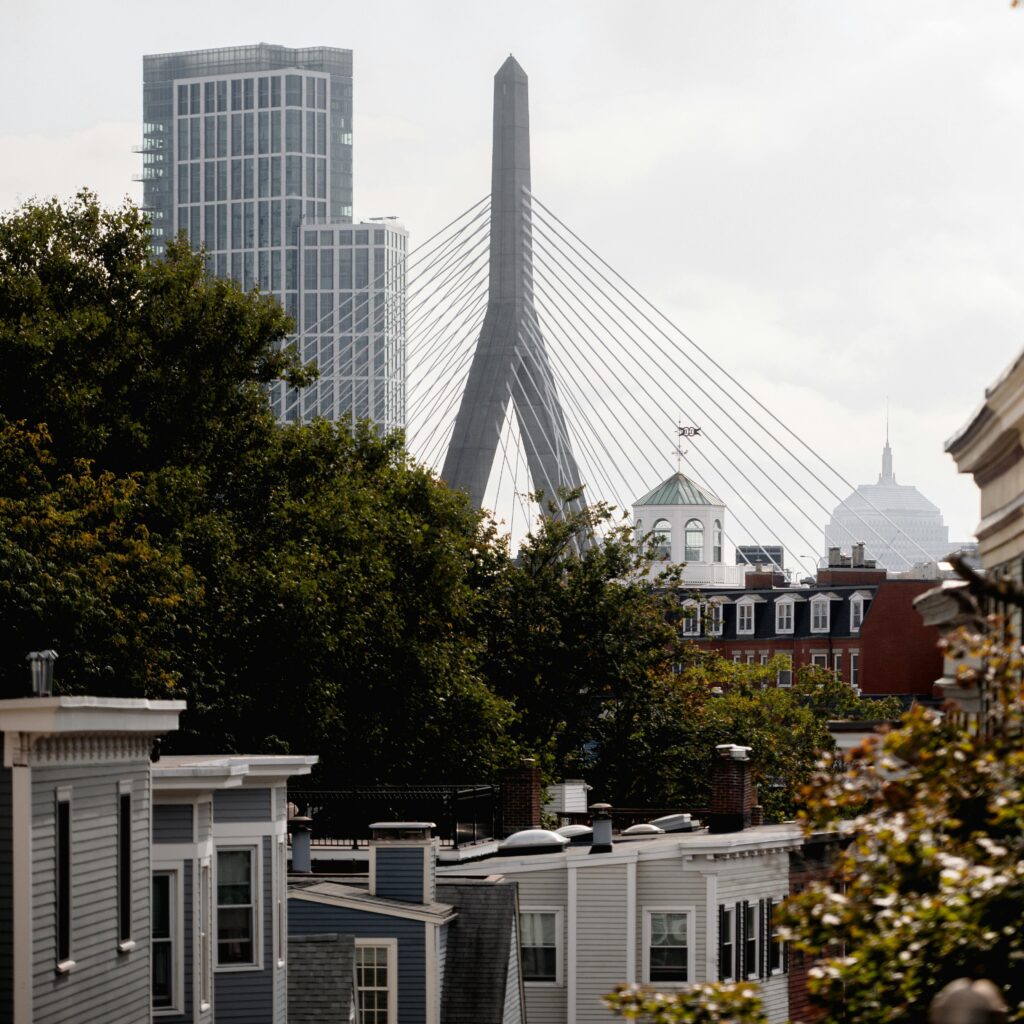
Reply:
x=726, y=943
x=693, y=538
x=819, y=659
x=691, y=618
x=716, y=548
x=205, y=919
x=715, y=618
x=837, y=663
x=744, y=617
x=377, y=980
x=783, y=616
x=820, y=608
x=784, y=677
x=856, y=613
x=668, y=945
x=540, y=946
x=855, y=669
x=748, y=936
x=661, y=538
x=281, y=902
x=165, y=951
x=238, y=888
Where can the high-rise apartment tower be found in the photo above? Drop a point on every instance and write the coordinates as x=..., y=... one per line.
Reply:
x=248, y=150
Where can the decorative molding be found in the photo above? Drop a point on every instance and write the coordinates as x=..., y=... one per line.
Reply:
x=39, y=750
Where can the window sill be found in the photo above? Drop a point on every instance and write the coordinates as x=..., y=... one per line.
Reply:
x=65, y=966
x=543, y=984
x=236, y=968
x=126, y=947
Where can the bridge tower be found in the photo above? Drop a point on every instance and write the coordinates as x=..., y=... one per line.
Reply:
x=510, y=360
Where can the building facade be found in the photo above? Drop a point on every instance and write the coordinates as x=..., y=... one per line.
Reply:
x=898, y=526
x=248, y=151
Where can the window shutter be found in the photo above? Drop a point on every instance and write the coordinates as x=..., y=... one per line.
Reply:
x=764, y=912
x=723, y=967
x=738, y=943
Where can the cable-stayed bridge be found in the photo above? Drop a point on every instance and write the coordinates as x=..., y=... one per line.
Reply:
x=532, y=365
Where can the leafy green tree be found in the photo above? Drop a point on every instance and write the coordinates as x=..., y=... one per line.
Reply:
x=931, y=886
x=305, y=588
x=713, y=1003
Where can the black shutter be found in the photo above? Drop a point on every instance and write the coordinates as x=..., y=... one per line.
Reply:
x=723, y=967
x=785, y=956
x=741, y=941
x=764, y=909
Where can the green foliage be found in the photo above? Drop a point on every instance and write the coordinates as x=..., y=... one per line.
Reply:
x=931, y=887
x=828, y=697
x=712, y=1003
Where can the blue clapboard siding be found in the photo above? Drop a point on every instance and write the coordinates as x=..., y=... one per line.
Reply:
x=308, y=918
x=399, y=873
x=172, y=823
x=106, y=985
x=6, y=894
x=247, y=997
x=241, y=805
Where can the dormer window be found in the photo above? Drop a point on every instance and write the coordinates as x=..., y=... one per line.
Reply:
x=783, y=616
x=856, y=613
x=694, y=540
x=714, y=619
x=662, y=539
x=745, y=618
x=691, y=618
x=820, y=615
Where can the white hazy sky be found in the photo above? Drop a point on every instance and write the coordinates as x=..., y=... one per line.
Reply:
x=827, y=195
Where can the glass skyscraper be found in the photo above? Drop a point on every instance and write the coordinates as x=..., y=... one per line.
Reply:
x=248, y=150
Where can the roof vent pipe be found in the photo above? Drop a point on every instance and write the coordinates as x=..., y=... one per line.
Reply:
x=601, y=822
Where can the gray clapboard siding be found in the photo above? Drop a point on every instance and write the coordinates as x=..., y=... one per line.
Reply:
x=247, y=997
x=600, y=938
x=545, y=1004
x=172, y=823
x=241, y=805
x=308, y=918
x=105, y=985
x=6, y=894
x=667, y=883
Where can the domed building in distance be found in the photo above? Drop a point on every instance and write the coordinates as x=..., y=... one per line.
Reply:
x=899, y=527
x=687, y=522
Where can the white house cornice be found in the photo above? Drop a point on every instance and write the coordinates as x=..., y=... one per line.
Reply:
x=42, y=749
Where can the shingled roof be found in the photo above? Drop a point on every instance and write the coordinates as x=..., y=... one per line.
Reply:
x=480, y=943
x=321, y=978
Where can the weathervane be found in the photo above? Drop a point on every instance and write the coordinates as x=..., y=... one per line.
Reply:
x=678, y=450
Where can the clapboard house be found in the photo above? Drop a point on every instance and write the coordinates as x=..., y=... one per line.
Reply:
x=74, y=857
x=219, y=883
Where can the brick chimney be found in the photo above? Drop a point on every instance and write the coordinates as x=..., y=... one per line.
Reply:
x=732, y=793
x=520, y=797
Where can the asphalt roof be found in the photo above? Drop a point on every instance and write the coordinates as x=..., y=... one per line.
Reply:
x=321, y=978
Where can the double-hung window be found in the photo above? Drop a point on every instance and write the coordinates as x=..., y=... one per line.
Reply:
x=726, y=943
x=748, y=939
x=819, y=615
x=745, y=618
x=776, y=947
x=855, y=668
x=236, y=907
x=691, y=618
x=783, y=616
x=714, y=619
x=377, y=981
x=540, y=947
x=856, y=613
x=668, y=945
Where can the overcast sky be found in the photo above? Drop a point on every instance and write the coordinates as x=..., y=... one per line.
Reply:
x=827, y=195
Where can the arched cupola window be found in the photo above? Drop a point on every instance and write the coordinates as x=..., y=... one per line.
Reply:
x=662, y=538
x=694, y=541
x=716, y=544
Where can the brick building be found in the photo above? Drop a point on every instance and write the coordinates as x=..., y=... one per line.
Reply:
x=853, y=620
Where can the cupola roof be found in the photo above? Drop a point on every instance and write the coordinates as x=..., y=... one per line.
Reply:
x=678, y=490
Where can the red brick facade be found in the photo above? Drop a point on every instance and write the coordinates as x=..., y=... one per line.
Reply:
x=520, y=797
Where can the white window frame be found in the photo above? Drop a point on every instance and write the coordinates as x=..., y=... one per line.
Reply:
x=771, y=932
x=784, y=605
x=696, y=528
x=856, y=613
x=837, y=663
x=559, y=913
x=256, y=850
x=789, y=672
x=855, y=669
x=716, y=618
x=205, y=936
x=177, y=938
x=280, y=883
x=691, y=618
x=727, y=972
x=819, y=659
x=737, y=658
x=753, y=913
x=691, y=945
x=819, y=606
x=744, y=609
x=391, y=946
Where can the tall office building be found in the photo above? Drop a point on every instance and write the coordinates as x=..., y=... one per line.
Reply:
x=248, y=150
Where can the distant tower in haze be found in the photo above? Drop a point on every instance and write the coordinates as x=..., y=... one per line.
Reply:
x=510, y=362
x=895, y=522
x=248, y=150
